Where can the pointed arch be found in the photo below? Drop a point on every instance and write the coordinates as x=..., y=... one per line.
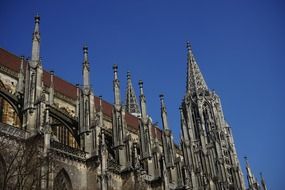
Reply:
x=208, y=111
x=209, y=119
x=2, y=171
x=63, y=131
x=9, y=113
x=62, y=181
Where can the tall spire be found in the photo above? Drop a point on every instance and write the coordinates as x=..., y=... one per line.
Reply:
x=131, y=100
x=36, y=43
x=86, y=70
x=167, y=138
x=195, y=79
x=145, y=124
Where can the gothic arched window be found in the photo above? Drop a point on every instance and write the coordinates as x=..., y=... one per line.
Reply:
x=208, y=119
x=196, y=118
x=62, y=181
x=8, y=114
x=63, y=134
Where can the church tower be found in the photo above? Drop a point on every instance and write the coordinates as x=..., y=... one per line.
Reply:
x=207, y=143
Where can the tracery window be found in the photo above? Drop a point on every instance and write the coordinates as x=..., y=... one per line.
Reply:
x=63, y=134
x=8, y=114
x=62, y=181
x=208, y=120
x=195, y=118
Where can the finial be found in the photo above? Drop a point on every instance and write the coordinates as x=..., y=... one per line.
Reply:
x=37, y=18
x=85, y=49
x=161, y=96
x=188, y=46
x=51, y=72
x=128, y=75
x=141, y=87
x=140, y=83
x=22, y=57
x=115, y=67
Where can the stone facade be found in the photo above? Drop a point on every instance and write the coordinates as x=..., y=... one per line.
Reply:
x=86, y=143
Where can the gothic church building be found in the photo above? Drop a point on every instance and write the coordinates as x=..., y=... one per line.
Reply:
x=60, y=136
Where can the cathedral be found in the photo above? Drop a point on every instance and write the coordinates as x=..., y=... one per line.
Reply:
x=60, y=136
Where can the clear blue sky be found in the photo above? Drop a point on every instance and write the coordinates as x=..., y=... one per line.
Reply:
x=239, y=46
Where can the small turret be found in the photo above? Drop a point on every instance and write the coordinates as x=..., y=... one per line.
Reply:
x=145, y=124
x=33, y=97
x=87, y=109
x=167, y=138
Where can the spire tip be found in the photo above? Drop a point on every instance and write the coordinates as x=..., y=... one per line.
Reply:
x=128, y=75
x=85, y=49
x=188, y=46
x=115, y=67
x=37, y=18
x=140, y=83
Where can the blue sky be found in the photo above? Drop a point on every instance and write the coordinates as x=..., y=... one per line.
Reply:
x=239, y=46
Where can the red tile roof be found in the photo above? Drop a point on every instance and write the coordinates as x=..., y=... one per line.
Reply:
x=10, y=60
x=107, y=107
x=61, y=86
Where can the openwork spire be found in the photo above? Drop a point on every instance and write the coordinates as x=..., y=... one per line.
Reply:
x=131, y=100
x=195, y=79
